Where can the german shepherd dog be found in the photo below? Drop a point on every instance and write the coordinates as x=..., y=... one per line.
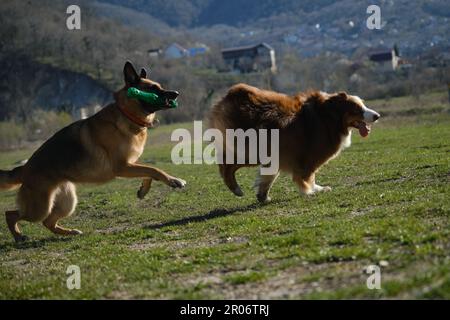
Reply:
x=313, y=128
x=94, y=150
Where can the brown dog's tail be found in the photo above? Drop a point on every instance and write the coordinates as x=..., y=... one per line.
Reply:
x=10, y=180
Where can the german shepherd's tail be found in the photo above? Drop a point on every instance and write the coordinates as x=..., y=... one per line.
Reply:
x=10, y=180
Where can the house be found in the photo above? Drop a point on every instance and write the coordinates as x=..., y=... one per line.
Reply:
x=192, y=52
x=253, y=58
x=386, y=59
x=154, y=53
x=175, y=51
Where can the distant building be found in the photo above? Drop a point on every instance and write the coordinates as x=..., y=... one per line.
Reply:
x=154, y=53
x=192, y=52
x=253, y=58
x=387, y=59
x=175, y=51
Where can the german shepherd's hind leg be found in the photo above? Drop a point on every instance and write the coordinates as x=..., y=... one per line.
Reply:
x=64, y=205
x=12, y=218
x=264, y=183
x=35, y=202
x=229, y=171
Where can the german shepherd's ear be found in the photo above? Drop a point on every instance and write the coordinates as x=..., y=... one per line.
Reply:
x=143, y=73
x=342, y=95
x=155, y=123
x=130, y=74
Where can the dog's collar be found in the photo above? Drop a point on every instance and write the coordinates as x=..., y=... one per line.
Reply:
x=136, y=120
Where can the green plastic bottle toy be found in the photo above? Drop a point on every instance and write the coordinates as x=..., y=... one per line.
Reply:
x=150, y=98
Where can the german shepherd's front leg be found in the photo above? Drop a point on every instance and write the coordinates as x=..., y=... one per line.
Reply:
x=143, y=171
x=145, y=188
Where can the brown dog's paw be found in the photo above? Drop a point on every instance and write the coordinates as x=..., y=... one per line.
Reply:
x=176, y=182
x=75, y=232
x=263, y=198
x=318, y=188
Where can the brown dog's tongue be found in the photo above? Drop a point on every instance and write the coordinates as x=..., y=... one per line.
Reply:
x=363, y=129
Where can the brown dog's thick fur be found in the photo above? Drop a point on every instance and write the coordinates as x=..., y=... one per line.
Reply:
x=313, y=128
x=94, y=150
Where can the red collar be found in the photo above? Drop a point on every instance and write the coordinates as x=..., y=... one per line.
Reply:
x=140, y=122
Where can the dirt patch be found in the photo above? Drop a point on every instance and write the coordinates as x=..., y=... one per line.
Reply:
x=363, y=211
x=177, y=244
x=144, y=246
x=287, y=284
x=393, y=180
x=303, y=280
x=15, y=263
x=112, y=230
x=119, y=295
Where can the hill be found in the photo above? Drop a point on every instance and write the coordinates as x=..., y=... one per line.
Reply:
x=193, y=13
x=316, y=47
x=50, y=88
x=336, y=24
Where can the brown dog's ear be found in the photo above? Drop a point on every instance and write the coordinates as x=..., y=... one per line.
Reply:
x=143, y=73
x=130, y=74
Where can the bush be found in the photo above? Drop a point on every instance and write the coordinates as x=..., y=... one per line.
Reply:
x=11, y=135
x=39, y=126
x=42, y=124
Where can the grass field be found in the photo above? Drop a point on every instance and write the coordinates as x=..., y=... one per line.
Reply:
x=390, y=206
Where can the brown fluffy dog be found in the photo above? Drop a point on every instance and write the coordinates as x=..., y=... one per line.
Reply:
x=313, y=128
x=94, y=150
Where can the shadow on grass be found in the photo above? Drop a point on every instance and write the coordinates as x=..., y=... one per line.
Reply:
x=29, y=244
x=216, y=213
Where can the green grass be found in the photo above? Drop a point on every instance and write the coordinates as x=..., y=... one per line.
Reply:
x=390, y=202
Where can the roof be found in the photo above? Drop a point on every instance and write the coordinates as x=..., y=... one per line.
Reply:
x=196, y=51
x=176, y=45
x=381, y=56
x=383, y=53
x=245, y=48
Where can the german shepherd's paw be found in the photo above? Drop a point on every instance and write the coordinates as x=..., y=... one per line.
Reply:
x=145, y=188
x=176, y=182
x=20, y=238
x=141, y=193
